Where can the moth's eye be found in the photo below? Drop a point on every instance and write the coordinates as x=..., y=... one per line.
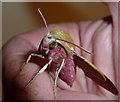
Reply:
x=53, y=45
x=50, y=32
x=49, y=37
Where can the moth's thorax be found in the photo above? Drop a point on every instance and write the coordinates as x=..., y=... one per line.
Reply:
x=57, y=54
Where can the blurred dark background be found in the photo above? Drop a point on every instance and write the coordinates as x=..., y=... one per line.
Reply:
x=22, y=17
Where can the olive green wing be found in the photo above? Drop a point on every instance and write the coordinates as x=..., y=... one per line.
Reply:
x=93, y=73
x=59, y=34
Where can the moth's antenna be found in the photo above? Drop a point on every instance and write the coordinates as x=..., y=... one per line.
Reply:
x=43, y=19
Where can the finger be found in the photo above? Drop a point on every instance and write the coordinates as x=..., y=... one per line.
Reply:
x=17, y=50
x=113, y=8
x=73, y=95
x=95, y=36
x=103, y=58
x=87, y=30
x=40, y=88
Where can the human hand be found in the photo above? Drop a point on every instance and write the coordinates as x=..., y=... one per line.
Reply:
x=98, y=37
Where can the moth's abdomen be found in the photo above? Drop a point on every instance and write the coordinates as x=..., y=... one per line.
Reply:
x=67, y=73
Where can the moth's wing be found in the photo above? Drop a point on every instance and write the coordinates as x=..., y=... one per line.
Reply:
x=92, y=72
x=59, y=34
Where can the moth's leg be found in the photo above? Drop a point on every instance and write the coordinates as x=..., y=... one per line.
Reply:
x=34, y=54
x=28, y=59
x=40, y=71
x=56, y=76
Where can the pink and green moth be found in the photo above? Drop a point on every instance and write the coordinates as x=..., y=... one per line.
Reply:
x=57, y=51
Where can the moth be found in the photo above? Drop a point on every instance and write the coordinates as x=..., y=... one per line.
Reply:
x=57, y=52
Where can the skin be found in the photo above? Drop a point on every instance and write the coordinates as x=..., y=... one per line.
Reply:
x=97, y=36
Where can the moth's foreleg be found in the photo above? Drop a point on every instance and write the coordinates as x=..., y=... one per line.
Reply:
x=40, y=71
x=56, y=76
x=34, y=54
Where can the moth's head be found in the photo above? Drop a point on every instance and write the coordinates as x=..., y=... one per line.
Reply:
x=49, y=38
x=50, y=41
